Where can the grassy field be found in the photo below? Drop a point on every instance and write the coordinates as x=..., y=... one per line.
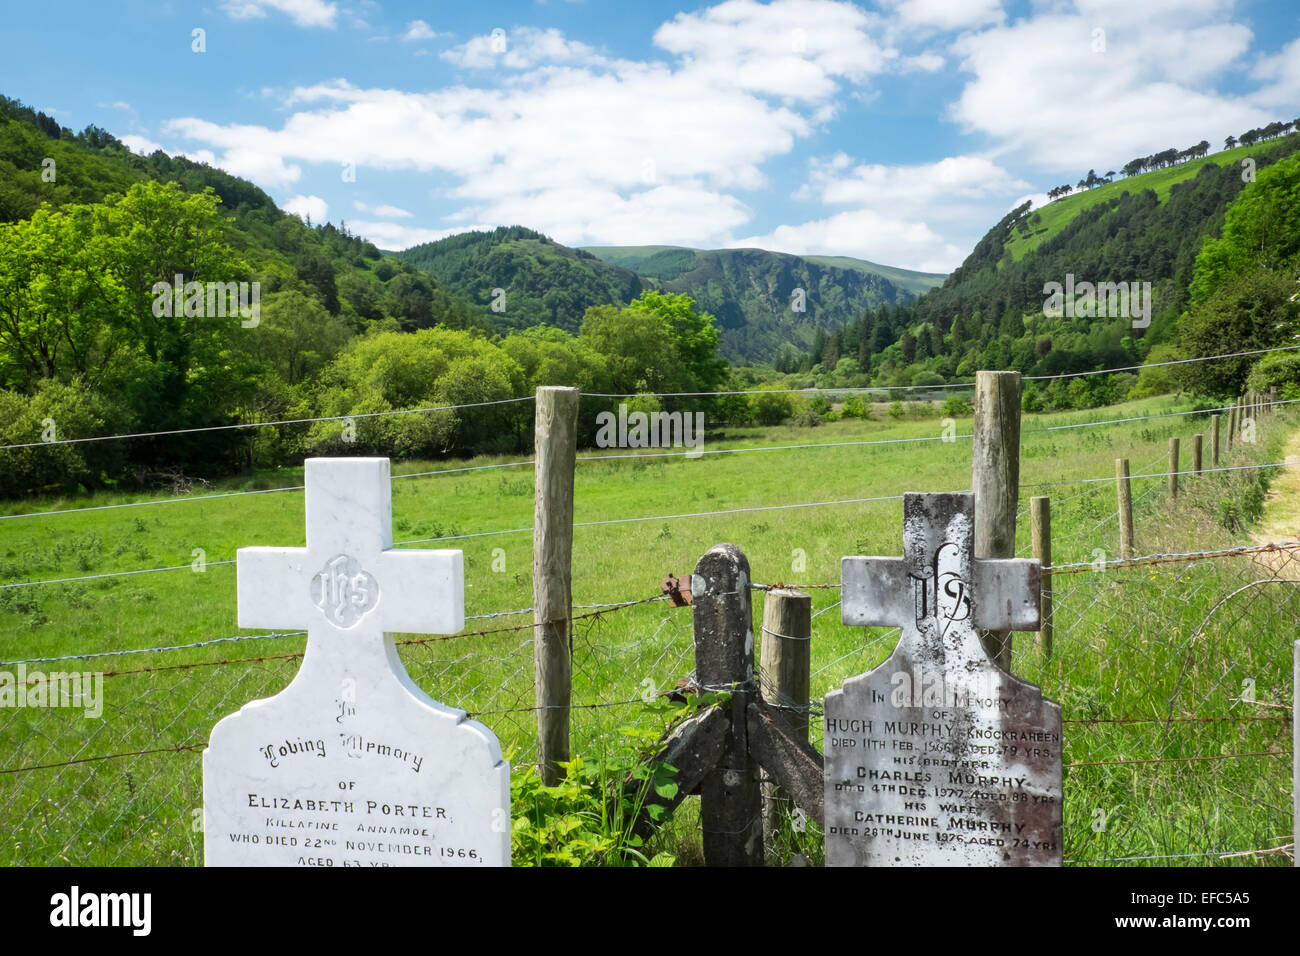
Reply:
x=1127, y=645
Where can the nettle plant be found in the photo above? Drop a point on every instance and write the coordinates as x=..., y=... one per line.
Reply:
x=591, y=817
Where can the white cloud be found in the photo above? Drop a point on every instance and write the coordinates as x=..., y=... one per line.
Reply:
x=866, y=234
x=946, y=14
x=140, y=144
x=661, y=215
x=419, y=30
x=588, y=136
x=1083, y=99
x=307, y=206
x=909, y=187
x=395, y=237
x=1282, y=71
x=386, y=212
x=585, y=147
x=798, y=49
x=926, y=216
x=520, y=49
x=250, y=151
x=305, y=13
x=200, y=156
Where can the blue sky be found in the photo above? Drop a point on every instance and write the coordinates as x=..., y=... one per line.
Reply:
x=896, y=130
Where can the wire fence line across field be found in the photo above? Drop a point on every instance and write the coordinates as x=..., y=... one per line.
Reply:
x=951, y=385
x=665, y=517
x=291, y=421
x=689, y=453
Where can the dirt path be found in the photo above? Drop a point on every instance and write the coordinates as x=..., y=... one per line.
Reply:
x=1281, y=521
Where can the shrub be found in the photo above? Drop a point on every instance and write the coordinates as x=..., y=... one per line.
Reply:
x=771, y=407
x=955, y=406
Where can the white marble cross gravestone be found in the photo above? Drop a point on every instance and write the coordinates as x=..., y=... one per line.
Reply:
x=353, y=764
x=939, y=757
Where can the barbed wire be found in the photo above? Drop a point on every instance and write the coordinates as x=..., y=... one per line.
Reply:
x=599, y=610
x=262, y=637
x=1222, y=854
x=1169, y=557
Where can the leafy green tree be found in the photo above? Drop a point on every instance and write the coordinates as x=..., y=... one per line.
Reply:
x=854, y=407
x=551, y=356
x=61, y=306
x=1281, y=370
x=63, y=410
x=1261, y=230
x=388, y=371
x=694, y=334
x=1251, y=311
x=639, y=346
x=295, y=335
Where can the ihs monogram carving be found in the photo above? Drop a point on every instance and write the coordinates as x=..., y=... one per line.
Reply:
x=344, y=591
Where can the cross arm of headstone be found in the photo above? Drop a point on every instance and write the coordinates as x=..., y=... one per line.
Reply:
x=276, y=588
x=878, y=592
x=349, y=570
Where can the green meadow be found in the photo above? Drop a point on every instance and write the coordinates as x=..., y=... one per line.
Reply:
x=1142, y=675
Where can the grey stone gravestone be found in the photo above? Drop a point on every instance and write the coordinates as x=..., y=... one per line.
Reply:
x=353, y=764
x=938, y=757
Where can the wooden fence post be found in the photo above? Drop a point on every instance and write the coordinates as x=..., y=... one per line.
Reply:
x=730, y=803
x=784, y=669
x=1232, y=424
x=1124, y=492
x=1040, y=509
x=1214, y=439
x=1173, y=468
x=995, y=481
x=1197, y=441
x=555, y=439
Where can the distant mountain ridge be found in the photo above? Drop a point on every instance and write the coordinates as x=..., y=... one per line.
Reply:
x=761, y=300
x=668, y=262
x=755, y=294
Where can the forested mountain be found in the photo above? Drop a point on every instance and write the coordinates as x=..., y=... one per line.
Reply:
x=764, y=302
x=770, y=303
x=671, y=262
x=540, y=280
x=41, y=161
